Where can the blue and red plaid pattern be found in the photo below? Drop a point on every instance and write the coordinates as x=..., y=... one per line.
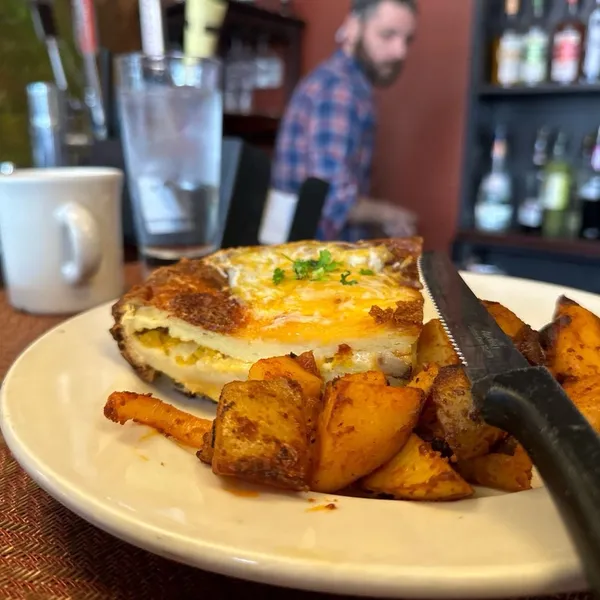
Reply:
x=328, y=132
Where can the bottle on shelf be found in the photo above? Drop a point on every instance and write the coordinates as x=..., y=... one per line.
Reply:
x=530, y=212
x=556, y=190
x=591, y=61
x=588, y=193
x=509, y=47
x=534, y=59
x=494, y=208
x=567, y=46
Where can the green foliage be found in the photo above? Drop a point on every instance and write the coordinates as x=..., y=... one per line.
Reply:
x=23, y=59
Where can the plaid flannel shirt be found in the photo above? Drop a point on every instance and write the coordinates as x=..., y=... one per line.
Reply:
x=328, y=132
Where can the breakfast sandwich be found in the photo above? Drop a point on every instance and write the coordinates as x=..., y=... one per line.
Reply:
x=204, y=322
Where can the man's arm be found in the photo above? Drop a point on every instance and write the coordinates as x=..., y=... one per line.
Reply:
x=334, y=139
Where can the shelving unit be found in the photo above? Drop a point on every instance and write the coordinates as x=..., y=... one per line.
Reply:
x=573, y=108
x=546, y=89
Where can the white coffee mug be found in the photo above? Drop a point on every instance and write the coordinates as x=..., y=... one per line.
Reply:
x=62, y=244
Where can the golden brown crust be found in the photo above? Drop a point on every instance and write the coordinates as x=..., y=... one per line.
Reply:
x=407, y=314
x=197, y=292
x=249, y=441
x=192, y=291
x=144, y=372
x=307, y=361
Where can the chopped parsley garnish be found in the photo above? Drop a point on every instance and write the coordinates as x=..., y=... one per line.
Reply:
x=344, y=279
x=278, y=276
x=315, y=269
x=367, y=272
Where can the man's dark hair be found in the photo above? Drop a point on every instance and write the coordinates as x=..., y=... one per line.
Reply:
x=364, y=8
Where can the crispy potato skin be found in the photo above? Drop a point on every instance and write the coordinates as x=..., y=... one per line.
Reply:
x=260, y=434
x=372, y=377
x=585, y=394
x=434, y=347
x=166, y=419
x=463, y=429
x=207, y=451
x=425, y=379
x=509, y=473
x=286, y=366
x=573, y=341
x=523, y=336
x=361, y=427
x=307, y=361
x=417, y=472
x=303, y=370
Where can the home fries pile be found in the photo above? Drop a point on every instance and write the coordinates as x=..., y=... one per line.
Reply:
x=360, y=397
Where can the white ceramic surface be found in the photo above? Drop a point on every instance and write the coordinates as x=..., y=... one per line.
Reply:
x=61, y=238
x=154, y=494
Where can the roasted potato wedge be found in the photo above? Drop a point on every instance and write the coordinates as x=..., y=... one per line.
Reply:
x=425, y=379
x=145, y=409
x=523, y=336
x=585, y=394
x=260, y=433
x=286, y=366
x=361, y=427
x=307, y=361
x=499, y=471
x=302, y=370
x=434, y=347
x=417, y=472
x=573, y=341
x=463, y=429
x=427, y=425
x=372, y=377
x=206, y=452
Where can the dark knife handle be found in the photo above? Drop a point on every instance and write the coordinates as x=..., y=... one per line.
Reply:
x=531, y=405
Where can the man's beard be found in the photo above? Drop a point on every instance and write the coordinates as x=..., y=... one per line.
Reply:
x=379, y=75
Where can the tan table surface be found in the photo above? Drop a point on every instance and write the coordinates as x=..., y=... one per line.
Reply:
x=48, y=552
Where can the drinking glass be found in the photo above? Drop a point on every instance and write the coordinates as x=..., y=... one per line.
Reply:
x=171, y=121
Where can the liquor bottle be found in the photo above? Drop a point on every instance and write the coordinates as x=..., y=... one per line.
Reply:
x=567, y=46
x=534, y=61
x=510, y=45
x=494, y=209
x=588, y=195
x=591, y=61
x=556, y=190
x=530, y=213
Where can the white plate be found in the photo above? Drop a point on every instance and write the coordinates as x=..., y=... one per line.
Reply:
x=150, y=492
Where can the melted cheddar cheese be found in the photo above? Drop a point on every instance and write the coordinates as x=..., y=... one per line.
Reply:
x=321, y=310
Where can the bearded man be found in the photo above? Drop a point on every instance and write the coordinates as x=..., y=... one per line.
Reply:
x=328, y=129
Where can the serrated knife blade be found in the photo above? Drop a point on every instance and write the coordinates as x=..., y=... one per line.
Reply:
x=482, y=346
x=528, y=403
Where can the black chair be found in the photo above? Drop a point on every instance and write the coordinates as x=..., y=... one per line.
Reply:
x=245, y=184
x=245, y=188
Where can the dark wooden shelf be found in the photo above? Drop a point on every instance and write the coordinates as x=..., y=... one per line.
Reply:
x=253, y=127
x=576, y=248
x=241, y=18
x=546, y=89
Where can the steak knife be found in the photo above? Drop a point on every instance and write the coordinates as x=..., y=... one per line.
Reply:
x=528, y=403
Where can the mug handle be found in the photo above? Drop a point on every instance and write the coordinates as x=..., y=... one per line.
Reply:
x=84, y=243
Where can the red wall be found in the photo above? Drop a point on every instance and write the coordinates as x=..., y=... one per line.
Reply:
x=421, y=119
